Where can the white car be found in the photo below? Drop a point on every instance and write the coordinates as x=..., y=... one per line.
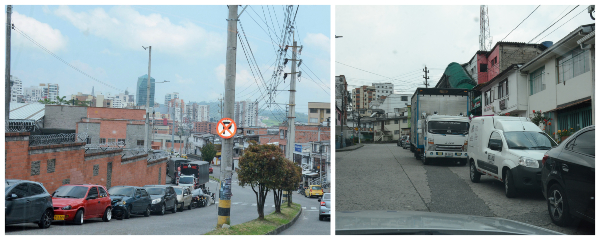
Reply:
x=184, y=198
x=325, y=208
x=508, y=149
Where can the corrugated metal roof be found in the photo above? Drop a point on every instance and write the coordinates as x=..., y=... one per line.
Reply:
x=33, y=111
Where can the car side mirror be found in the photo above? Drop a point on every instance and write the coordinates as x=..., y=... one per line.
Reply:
x=12, y=196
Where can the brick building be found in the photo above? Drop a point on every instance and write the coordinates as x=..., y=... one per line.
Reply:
x=205, y=127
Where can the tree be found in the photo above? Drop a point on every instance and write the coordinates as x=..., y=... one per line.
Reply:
x=46, y=101
x=258, y=168
x=208, y=152
x=292, y=180
x=62, y=100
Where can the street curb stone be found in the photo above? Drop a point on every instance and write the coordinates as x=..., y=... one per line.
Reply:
x=285, y=226
x=350, y=148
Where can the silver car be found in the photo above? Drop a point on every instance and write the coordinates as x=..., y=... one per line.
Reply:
x=184, y=198
x=325, y=206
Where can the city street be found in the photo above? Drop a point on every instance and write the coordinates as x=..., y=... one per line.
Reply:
x=188, y=222
x=390, y=178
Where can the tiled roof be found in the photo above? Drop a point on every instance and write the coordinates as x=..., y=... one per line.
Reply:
x=33, y=111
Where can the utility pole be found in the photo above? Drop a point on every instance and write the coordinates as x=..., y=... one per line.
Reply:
x=7, y=92
x=291, y=140
x=227, y=147
x=147, y=98
x=320, y=155
x=173, y=130
x=426, y=77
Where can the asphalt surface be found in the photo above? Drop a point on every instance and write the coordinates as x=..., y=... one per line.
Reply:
x=308, y=223
x=395, y=180
x=188, y=222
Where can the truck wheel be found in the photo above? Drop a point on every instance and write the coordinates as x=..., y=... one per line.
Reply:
x=463, y=162
x=474, y=174
x=425, y=160
x=509, y=185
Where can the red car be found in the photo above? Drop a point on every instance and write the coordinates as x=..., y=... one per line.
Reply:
x=78, y=202
x=210, y=170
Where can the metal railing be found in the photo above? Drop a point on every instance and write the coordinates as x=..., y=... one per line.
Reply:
x=21, y=125
x=105, y=146
x=61, y=138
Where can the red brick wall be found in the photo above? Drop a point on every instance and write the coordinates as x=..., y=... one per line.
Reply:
x=306, y=134
x=70, y=163
x=116, y=113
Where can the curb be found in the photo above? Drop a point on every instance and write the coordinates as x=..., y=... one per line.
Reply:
x=285, y=226
x=343, y=150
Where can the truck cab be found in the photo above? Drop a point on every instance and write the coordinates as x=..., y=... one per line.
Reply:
x=445, y=138
x=508, y=149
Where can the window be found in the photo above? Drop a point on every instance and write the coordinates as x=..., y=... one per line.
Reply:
x=584, y=143
x=482, y=67
x=494, y=61
x=404, y=98
x=88, y=140
x=122, y=140
x=313, y=110
x=395, y=121
x=536, y=81
x=20, y=190
x=93, y=192
x=140, y=142
x=573, y=64
x=327, y=111
x=144, y=193
x=36, y=189
x=495, y=138
x=396, y=132
x=500, y=89
x=102, y=192
x=403, y=120
x=102, y=140
x=111, y=140
x=487, y=97
x=314, y=120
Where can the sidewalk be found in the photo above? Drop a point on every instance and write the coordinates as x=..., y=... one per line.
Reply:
x=353, y=147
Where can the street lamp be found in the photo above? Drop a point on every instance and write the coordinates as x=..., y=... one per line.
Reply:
x=336, y=36
x=147, y=96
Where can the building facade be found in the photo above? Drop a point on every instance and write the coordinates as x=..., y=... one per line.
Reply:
x=16, y=89
x=170, y=96
x=141, y=92
x=318, y=112
x=246, y=114
x=361, y=97
x=383, y=89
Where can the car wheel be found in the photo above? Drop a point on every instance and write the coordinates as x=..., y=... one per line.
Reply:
x=174, y=210
x=509, y=185
x=473, y=173
x=147, y=213
x=190, y=206
x=558, y=206
x=320, y=218
x=107, y=215
x=163, y=208
x=128, y=212
x=46, y=219
x=78, y=217
x=426, y=161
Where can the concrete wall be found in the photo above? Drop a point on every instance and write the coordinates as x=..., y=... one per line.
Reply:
x=63, y=117
x=134, y=132
x=92, y=129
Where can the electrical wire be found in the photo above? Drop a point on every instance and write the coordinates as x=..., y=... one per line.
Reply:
x=520, y=23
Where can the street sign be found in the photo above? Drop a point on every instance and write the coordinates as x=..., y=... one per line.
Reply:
x=298, y=147
x=226, y=128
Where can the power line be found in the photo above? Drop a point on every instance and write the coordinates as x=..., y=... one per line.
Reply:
x=553, y=24
x=520, y=23
x=564, y=23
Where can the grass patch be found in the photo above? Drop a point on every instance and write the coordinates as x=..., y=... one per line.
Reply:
x=214, y=178
x=261, y=227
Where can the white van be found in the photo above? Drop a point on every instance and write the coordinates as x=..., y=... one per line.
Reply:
x=509, y=149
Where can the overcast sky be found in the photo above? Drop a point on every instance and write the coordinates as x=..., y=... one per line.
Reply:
x=188, y=49
x=398, y=41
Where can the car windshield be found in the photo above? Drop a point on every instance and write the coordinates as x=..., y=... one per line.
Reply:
x=186, y=180
x=70, y=192
x=179, y=191
x=316, y=188
x=155, y=191
x=448, y=127
x=121, y=191
x=529, y=140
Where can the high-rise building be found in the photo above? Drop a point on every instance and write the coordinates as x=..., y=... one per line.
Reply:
x=177, y=109
x=383, y=89
x=17, y=89
x=362, y=96
x=203, y=111
x=246, y=113
x=318, y=112
x=170, y=96
x=33, y=94
x=142, y=85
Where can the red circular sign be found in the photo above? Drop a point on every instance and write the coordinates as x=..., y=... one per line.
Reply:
x=226, y=128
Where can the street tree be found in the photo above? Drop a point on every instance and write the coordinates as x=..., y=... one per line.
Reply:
x=292, y=179
x=208, y=152
x=259, y=168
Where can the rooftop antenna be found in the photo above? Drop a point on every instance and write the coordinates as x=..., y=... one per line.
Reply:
x=485, y=38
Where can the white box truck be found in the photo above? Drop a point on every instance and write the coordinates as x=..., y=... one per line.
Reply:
x=508, y=149
x=439, y=124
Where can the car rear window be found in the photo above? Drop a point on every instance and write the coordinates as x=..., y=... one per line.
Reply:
x=316, y=188
x=326, y=197
x=179, y=191
x=70, y=192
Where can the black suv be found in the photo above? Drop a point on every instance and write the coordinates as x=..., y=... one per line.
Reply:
x=27, y=201
x=163, y=198
x=127, y=200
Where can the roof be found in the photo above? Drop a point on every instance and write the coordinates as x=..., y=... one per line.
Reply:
x=33, y=111
x=458, y=77
x=572, y=103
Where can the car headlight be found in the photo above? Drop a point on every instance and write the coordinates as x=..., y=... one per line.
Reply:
x=155, y=201
x=123, y=203
x=528, y=162
x=68, y=207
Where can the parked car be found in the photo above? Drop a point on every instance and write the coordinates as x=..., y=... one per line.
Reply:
x=163, y=198
x=313, y=190
x=406, y=143
x=568, y=178
x=199, y=198
x=400, y=141
x=325, y=206
x=78, y=202
x=509, y=149
x=27, y=202
x=127, y=200
x=184, y=197
x=210, y=170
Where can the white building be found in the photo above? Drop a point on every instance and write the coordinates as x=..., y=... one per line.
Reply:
x=246, y=113
x=17, y=88
x=392, y=103
x=121, y=100
x=203, y=111
x=383, y=89
x=170, y=96
x=507, y=93
x=33, y=94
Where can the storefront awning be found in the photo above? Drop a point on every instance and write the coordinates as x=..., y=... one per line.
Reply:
x=570, y=104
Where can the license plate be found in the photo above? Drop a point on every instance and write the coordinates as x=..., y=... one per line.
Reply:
x=448, y=154
x=59, y=217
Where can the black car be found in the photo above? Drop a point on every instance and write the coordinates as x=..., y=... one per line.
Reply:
x=127, y=200
x=568, y=178
x=27, y=202
x=163, y=198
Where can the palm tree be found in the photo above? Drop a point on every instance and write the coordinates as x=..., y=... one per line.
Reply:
x=46, y=101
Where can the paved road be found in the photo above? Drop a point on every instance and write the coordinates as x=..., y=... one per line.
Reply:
x=308, y=223
x=397, y=181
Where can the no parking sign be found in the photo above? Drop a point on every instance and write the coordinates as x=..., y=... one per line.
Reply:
x=226, y=128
